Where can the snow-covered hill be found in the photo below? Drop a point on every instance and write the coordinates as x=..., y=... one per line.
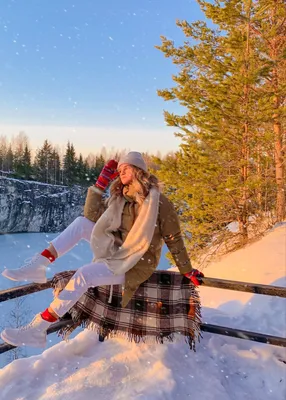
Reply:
x=222, y=368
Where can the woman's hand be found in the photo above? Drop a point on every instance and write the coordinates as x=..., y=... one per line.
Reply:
x=195, y=276
x=108, y=173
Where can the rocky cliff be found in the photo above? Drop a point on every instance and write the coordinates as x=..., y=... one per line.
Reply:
x=27, y=206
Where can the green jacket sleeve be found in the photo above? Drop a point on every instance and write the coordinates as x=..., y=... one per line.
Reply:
x=94, y=205
x=172, y=236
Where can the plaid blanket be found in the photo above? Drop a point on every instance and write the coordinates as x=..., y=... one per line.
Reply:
x=164, y=305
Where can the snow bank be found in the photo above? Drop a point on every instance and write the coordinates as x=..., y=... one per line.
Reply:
x=118, y=370
x=222, y=368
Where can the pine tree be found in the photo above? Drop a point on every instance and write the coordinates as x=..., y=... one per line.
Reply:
x=267, y=31
x=43, y=163
x=19, y=143
x=8, y=163
x=82, y=171
x=3, y=152
x=269, y=28
x=27, y=170
x=70, y=165
x=55, y=167
x=100, y=162
x=215, y=173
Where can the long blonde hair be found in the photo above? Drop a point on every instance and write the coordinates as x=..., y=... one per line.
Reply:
x=144, y=180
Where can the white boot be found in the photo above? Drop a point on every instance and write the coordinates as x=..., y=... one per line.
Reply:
x=34, y=270
x=34, y=334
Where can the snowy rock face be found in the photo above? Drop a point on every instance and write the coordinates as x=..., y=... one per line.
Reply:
x=27, y=206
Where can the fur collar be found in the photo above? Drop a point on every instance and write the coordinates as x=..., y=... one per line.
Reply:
x=134, y=193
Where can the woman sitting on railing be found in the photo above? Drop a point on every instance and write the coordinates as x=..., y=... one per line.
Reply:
x=126, y=233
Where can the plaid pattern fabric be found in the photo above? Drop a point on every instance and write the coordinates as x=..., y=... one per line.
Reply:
x=164, y=305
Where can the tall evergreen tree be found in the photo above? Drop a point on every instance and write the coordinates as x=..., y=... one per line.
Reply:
x=43, y=163
x=82, y=171
x=19, y=144
x=220, y=74
x=8, y=163
x=100, y=162
x=70, y=165
x=26, y=167
x=3, y=152
x=269, y=28
x=266, y=29
x=55, y=167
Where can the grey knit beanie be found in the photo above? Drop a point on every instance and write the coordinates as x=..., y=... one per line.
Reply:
x=134, y=158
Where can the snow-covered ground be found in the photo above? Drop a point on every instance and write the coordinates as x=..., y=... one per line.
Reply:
x=222, y=368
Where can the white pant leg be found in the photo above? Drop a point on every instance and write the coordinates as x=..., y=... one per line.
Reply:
x=80, y=228
x=90, y=275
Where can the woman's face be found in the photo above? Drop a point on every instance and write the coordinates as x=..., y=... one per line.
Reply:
x=126, y=173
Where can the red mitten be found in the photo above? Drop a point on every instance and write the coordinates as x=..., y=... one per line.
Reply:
x=195, y=276
x=107, y=174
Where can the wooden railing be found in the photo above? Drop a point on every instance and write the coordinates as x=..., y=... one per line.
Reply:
x=278, y=291
x=255, y=288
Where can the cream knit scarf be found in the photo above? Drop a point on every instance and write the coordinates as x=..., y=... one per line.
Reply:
x=121, y=259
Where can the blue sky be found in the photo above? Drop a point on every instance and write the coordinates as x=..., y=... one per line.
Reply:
x=87, y=71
